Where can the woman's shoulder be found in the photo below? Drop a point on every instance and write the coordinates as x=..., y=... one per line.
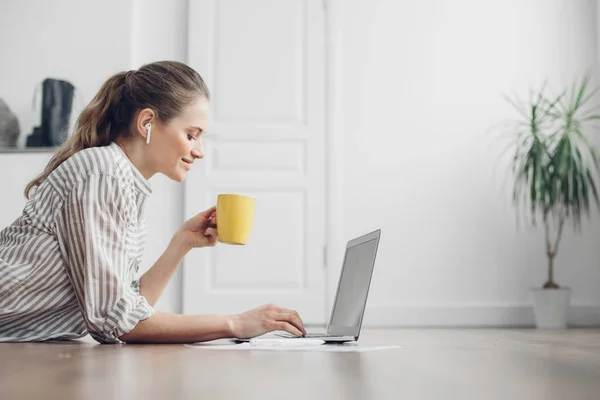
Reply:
x=92, y=161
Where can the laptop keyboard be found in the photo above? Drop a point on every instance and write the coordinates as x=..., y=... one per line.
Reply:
x=308, y=335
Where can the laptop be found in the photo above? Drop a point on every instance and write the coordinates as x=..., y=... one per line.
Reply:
x=351, y=296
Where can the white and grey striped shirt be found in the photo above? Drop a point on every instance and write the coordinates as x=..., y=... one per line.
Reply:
x=68, y=263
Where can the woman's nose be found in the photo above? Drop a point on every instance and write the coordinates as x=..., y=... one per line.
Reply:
x=197, y=153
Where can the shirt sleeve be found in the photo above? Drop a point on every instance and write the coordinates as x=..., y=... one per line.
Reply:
x=92, y=234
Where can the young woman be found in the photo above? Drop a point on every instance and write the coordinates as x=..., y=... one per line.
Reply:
x=68, y=263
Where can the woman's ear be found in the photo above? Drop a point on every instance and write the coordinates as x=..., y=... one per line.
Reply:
x=144, y=123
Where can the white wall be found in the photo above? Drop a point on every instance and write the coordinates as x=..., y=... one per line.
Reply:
x=414, y=86
x=66, y=39
x=421, y=85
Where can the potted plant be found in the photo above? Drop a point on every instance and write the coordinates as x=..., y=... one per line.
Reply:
x=555, y=169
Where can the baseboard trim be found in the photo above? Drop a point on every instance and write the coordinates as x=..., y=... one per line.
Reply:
x=580, y=315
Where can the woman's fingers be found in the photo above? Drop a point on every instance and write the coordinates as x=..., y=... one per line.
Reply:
x=286, y=326
x=265, y=319
x=212, y=235
x=292, y=318
x=208, y=213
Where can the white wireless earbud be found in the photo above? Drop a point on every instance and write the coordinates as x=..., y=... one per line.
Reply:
x=149, y=130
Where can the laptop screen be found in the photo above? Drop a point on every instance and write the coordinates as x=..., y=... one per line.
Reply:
x=353, y=288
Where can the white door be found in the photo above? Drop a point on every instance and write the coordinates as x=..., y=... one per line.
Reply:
x=263, y=61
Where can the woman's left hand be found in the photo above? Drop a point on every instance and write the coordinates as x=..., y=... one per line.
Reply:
x=200, y=230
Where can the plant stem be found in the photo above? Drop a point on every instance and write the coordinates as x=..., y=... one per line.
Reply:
x=551, y=252
x=561, y=223
x=550, y=284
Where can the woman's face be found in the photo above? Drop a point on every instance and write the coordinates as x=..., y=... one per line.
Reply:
x=179, y=142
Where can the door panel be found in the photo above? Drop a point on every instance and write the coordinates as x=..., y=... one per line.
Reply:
x=264, y=64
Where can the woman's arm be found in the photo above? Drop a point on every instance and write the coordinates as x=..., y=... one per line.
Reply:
x=198, y=231
x=154, y=281
x=201, y=231
x=91, y=229
x=176, y=328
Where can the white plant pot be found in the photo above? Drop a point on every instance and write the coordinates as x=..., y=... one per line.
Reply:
x=550, y=307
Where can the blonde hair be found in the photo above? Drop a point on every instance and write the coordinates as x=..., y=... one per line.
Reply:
x=165, y=87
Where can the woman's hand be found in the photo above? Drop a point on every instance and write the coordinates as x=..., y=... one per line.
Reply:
x=200, y=230
x=265, y=319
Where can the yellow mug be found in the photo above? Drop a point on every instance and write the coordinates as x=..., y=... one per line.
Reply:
x=235, y=215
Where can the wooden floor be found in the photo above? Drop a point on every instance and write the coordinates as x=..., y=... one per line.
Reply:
x=431, y=364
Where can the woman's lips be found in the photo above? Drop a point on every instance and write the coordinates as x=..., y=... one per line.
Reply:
x=186, y=164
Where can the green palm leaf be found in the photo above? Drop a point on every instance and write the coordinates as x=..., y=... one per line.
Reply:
x=554, y=164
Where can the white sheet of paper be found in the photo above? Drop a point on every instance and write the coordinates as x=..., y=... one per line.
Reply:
x=342, y=348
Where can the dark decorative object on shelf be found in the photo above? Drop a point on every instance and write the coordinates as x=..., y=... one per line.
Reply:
x=9, y=126
x=57, y=102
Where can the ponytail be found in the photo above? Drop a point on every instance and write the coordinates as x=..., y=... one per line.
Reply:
x=165, y=86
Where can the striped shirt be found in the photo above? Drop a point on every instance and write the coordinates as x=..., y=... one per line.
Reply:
x=68, y=263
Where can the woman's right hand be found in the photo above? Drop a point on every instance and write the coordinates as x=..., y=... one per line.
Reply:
x=265, y=319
